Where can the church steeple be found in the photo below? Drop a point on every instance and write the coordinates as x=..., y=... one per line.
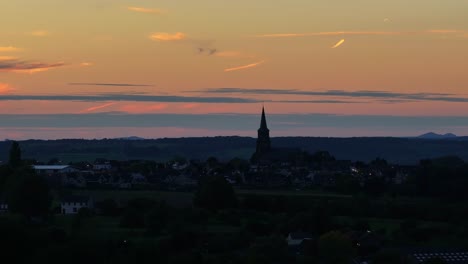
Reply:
x=263, y=140
x=263, y=124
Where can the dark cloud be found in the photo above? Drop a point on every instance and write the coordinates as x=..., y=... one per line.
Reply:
x=236, y=121
x=128, y=97
x=28, y=67
x=387, y=96
x=112, y=84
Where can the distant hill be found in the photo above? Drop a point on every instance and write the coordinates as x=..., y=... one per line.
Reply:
x=395, y=150
x=131, y=138
x=432, y=135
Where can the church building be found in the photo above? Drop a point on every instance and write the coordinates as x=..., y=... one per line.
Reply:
x=263, y=140
x=264, y=153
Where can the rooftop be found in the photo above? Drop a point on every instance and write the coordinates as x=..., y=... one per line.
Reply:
x=50, y=167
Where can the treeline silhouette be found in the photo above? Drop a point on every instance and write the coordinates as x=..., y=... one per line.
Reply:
x=394, y=150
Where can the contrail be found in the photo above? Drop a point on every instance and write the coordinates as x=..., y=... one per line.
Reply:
x=96, y=108
x=244, y=67
x=338, y=44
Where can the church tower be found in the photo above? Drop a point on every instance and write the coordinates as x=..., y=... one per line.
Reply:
x=263, y=140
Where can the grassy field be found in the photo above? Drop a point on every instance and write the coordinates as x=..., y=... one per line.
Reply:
x=184, y=199
x=177, y=199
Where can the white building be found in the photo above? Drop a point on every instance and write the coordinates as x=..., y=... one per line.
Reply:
x=53, y=169
x=72, y=204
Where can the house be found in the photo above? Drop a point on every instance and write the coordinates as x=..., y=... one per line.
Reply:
x=53, y=169
x=102, y=166
x=296, y=238
x=72, y=204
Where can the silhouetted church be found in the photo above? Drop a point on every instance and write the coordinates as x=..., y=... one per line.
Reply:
x=263, y=140
x=264, y=152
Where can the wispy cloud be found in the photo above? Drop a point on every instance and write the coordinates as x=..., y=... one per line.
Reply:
x=332, y=33
x=86, y=64
x=112, y=84
x=361, y=33
x=18, y=66
x=382, y=95
x=445, y=31
x=94, y=108
x=145, y=10
x=339, y=43
x=251, y=65
x=9, y=49
x=39, y=33
x=164, y=36
x=201, y=46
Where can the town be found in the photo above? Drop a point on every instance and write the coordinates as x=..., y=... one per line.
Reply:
x=281, y=206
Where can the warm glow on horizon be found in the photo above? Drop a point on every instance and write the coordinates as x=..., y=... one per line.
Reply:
x=210, y=57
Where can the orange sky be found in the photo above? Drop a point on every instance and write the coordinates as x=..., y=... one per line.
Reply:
x=394, y=58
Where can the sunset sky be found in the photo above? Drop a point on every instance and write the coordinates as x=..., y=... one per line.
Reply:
x=173, y=68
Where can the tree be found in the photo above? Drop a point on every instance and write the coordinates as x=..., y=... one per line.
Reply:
x=333, y=242
x=15, y=155
x=28, y=193
x=272, y=249
x=215, y=193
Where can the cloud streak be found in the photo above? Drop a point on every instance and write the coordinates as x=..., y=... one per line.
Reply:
x=153, y=11
x=339, y=43
x=333, y=33
x=94, y=108
x=112, y=84
x=361, y=33
x=248, y=66
x=382, y=95
x=9, y=49
x=18, y=66
x=127, y=97
x=39, y=33
x=164, y=36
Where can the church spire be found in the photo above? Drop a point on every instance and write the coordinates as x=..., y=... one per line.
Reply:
x=263, y=140
x=263, y=123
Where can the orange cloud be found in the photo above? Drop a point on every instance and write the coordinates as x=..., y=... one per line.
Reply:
x=244, y=67
x=163, y=36
x=146, y=10
x=94, y=108
x=39, y=33
x=9, y=49
x=86, y=64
